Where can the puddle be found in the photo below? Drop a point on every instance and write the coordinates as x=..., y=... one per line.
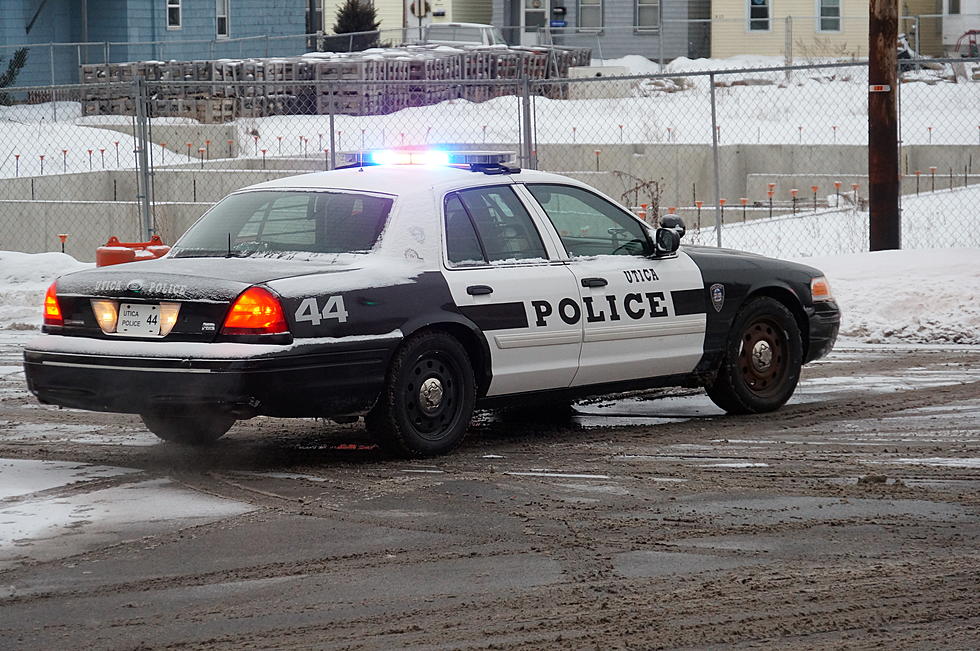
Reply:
x=561, y=475
x=39, y=528
x=950, y=462
x=20, y=477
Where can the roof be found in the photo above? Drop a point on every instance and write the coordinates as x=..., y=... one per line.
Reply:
x=403, y=179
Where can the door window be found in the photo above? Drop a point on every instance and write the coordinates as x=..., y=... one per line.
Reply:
x=588, y=225
x=490, y=225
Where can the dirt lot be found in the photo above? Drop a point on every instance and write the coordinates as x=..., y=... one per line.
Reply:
x=850, y=518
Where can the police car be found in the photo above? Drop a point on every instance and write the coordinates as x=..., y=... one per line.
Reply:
x=412, y=287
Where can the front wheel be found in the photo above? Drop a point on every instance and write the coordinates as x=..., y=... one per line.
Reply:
x=762, y=361
x=428, y=398
x=199, y=429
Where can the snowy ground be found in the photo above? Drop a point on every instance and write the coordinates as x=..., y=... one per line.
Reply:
x=924, y=296
x=827, y=106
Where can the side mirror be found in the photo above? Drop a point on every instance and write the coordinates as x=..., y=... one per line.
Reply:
x=667, y=241
x=674, y=223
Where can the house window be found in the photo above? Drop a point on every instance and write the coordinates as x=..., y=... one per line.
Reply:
x=759, y=15
x=647, y=15
x=829, y=15
x=221, y=16
x=590, y=15
x=954, y=7
x=173, y=14
x=314, y=23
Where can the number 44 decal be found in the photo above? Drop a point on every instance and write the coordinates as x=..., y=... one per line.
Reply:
x=309, y=310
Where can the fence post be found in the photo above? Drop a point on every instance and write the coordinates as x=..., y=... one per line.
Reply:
x=660, y=33
x=714, y=151
x=788, y=44
x=331, y=98
x=142, y=160
x=918, y=45
x=527, y=160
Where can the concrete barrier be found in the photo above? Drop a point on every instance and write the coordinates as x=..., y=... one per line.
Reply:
x=33, y=226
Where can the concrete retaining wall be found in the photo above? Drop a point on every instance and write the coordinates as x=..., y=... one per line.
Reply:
x=33, y=226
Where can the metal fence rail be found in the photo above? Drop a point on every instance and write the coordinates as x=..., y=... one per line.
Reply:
x=772, y=160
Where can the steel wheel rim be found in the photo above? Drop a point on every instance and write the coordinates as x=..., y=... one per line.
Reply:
x=428, y=420
x=763, y=357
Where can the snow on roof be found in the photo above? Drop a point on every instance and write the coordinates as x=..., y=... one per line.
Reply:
x=403, y=179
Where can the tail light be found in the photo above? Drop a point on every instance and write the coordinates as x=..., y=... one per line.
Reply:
x=256, y=311
x=52, y=311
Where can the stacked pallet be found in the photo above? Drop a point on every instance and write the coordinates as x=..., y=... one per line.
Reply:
x=376, y=81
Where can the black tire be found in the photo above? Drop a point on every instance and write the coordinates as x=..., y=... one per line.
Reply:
x=200, y=429
x=428, y=398
x=762, y=362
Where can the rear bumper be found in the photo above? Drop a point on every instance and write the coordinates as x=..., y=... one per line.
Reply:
x=824, y=326
x=307, y=380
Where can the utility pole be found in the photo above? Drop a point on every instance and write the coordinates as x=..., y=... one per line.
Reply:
x=883, y=174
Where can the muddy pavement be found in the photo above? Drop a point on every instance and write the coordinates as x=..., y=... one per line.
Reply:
x=851, y=517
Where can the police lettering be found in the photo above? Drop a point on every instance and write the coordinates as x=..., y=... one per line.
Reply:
x=640, y=275
x=635, y=305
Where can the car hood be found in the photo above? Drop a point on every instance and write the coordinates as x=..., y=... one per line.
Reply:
x=745, y=258
x=207, y=279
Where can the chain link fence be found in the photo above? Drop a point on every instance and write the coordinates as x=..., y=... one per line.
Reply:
x=777, y=157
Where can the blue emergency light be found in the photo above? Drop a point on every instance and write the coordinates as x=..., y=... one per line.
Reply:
x=427, y=157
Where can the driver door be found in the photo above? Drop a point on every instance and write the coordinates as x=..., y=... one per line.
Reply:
x=642, y=316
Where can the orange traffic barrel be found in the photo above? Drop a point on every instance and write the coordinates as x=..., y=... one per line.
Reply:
x=116, y=252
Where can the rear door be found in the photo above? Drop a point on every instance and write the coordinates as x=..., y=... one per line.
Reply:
x=642, y=316
x=506, y=278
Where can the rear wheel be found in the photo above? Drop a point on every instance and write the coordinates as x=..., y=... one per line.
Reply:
x=762, y=360
x=428, y=397
x=199, y=429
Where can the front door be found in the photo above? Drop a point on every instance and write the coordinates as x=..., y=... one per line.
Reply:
x=642, y=316
x=534, y=18
x=499, y=271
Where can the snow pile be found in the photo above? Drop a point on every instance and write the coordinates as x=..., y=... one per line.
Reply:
x=913, y=296
x=634, y=64
x=929, y=296
x=24, y=277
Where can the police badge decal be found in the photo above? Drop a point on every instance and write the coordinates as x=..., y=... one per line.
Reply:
x=717, y=292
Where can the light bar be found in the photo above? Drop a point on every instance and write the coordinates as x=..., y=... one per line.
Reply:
x=425, y=157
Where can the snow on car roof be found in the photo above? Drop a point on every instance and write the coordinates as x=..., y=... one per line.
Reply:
x=403, y=180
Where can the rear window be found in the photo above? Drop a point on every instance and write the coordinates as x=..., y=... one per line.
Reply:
x=269, y=222
x=455, y=33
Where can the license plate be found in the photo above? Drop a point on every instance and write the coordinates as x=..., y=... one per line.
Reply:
x=138, y=320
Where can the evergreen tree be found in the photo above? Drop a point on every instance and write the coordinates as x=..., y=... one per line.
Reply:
x=9, y=76
x=356, y=16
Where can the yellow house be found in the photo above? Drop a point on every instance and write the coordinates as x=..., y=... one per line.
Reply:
x=789, y=28
x=801, y=29
x=398, y=14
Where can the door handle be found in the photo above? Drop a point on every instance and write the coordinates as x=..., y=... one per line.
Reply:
x=594, y=282
x=479, y=290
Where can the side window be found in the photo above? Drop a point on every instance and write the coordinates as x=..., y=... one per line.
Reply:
x=488, y=225
x=462, y=244
x=590, y=225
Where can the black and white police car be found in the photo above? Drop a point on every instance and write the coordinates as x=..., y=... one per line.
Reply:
x=414, y=290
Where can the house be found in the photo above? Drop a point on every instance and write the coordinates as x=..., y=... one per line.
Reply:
x=130, y=30
x=612, y=28
x=399, y=20
x=832, y=28
x=797, y=28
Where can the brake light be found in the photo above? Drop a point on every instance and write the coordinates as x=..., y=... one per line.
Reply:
x=256, y=311
x=52, y=311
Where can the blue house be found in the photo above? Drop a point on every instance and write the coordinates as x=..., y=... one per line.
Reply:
x=62, y=34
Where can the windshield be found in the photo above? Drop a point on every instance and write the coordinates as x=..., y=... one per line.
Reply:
x=455, y=33
x=270, y=223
